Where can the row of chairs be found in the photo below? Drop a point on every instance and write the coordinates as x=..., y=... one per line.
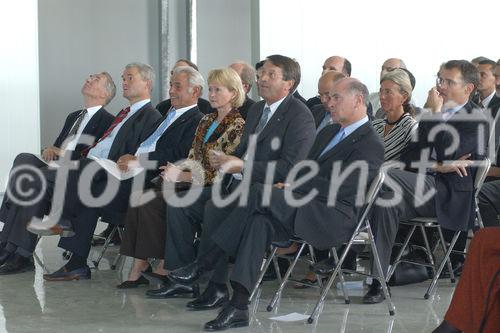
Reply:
x=363, y=235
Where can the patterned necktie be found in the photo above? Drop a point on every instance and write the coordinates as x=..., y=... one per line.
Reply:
x=76, y=125
x=335, y=140
x=118, y=119
x=263, y=120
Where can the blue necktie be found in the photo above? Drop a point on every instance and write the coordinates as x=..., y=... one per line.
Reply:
x=335, y=140
x=263, y=120
x=159, y=131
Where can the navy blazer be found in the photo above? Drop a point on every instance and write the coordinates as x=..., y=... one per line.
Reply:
x=455, y=197
x=292, y=125
x=325, y=226
x=96, y=127
x=133, y=132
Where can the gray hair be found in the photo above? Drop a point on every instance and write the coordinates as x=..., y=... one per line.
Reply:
x=247, y=73
x=194, y=77
x=110, y=87
x=401, y=78
x=355, y=87
x=145, y=70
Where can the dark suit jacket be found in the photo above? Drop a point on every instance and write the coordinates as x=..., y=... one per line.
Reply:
x=292, y=124
x=245, y=107
x=454, y=197
x=318, y=112
x=317, y=223
x=203, y=105
x=313, y=101
x=96, y=127
x=494, y=105
x=176, y=141
x=299, y=97
x=135, y=130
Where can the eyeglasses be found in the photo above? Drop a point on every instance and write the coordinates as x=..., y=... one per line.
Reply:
x=441, y=82
x=271, y=74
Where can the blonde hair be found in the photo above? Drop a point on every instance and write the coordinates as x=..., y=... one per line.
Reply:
x=401, y=78
x=228, y=78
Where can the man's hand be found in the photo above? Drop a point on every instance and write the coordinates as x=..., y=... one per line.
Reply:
x=434, y=101
x=459, y=166
x=127, y=162
x=51, y=153
x=225, y=163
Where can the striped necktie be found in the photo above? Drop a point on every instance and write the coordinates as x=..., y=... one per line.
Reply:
x=118, y=119
x=76, y=125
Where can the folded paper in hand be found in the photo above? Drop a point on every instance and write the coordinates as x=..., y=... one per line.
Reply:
x=113, y=169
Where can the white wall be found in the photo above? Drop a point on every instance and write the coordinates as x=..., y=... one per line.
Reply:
x=78, y=38
x=423, y=34
x=19, y=107
x=225, y=33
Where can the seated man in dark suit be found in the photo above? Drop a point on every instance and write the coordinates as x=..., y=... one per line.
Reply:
x=203, y=104
x=131, y=127
x=333, y=63
x=247, y=76
x=285, y=132
x=305, y=206
x=16, y=243
x=442, y=188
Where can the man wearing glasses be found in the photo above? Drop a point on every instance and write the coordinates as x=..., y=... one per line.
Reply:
x=440, y=181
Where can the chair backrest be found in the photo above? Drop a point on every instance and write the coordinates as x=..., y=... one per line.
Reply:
x=482, y=171
x=373, y=191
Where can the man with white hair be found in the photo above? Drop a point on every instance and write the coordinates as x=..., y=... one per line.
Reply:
x=247, y=75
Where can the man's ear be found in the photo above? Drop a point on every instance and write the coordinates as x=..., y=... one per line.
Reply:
x=469, y=88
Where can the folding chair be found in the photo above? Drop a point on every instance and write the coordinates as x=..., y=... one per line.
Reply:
x=432, y=222
x=293, y=262
x=362, y=227
x=107, y=241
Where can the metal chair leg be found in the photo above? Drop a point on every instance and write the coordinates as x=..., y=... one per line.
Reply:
x=430, y=290
x=448, y=260
x=347, y=300
x=392, y=268
x=263, y=270
x=105, y=246
x=277, y=295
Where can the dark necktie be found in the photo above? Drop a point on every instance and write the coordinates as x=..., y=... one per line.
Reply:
x=118, y=119
x=263, y=120
x=77, y=123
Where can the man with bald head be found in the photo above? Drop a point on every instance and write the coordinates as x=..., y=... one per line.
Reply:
x=247, y=75
x=321, y=113
x=351, y=140
x=333, y=63
x=387, y=66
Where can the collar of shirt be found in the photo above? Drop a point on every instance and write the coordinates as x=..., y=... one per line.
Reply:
x=488, y=99
x=137, y=105
x=93, y=110
x=181, y=111
x=448, y=113
x=273, y=107
x=354, y=126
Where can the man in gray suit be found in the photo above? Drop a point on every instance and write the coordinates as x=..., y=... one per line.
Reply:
x=248, y=233
x=285, y=132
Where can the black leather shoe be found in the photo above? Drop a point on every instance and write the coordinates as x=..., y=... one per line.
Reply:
x=17, y=264
x=188, y=274
x=171, y=290
x=133, y=284
x=446, y=327
x=154, y=278
x=4, y=256
x=229, y=317
x=327, y=266
x=62, y=274
x=375, y=294
x=211, y=298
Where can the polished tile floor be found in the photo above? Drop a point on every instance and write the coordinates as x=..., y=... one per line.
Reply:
x=29, y=304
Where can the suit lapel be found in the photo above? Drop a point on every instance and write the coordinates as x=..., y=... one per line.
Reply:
x=346, y=143
x=275, y=120
x=93, y=122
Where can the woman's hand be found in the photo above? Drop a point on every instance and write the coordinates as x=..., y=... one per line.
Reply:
x=172, y=173
x=459, y=166
x=225, y=163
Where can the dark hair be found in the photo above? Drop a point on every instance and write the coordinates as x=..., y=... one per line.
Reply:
x=347, y=67
x=259, y=64
x=469, y=72
x=489, y=62
x=289, y=67
x=189, y=62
